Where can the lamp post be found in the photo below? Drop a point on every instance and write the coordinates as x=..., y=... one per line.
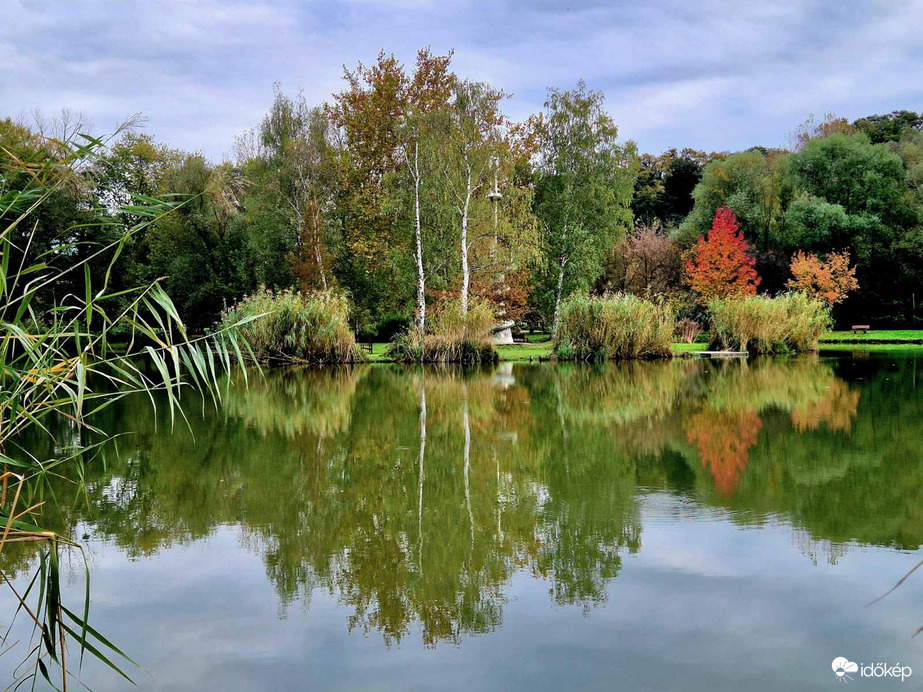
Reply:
x=494, y=196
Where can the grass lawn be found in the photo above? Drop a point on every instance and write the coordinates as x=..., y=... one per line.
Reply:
x=882, y=336
x=520, y=352
x=905, y=347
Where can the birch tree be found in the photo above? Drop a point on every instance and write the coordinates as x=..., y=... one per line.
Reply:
x=471, y=146
x=584, y=187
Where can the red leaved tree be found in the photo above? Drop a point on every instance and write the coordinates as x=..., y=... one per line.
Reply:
x=720, y=266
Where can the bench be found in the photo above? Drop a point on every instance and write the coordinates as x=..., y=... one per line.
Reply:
x=856, y=328
x=366, y=347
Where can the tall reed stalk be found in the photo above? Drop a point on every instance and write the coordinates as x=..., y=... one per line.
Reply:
x=56, y=361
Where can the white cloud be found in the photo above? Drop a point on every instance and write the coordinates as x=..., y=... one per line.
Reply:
x=713, y=75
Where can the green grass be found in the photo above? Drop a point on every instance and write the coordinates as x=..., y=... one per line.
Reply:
x=379, y=353
x=904, y=347
x=525, y=351
x=883, y=336
x=688, y=348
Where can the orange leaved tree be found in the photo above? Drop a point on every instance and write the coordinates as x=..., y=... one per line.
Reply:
x=829, y=281
x=720, y=265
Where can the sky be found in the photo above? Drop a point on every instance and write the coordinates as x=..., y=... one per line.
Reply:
x=706, y=74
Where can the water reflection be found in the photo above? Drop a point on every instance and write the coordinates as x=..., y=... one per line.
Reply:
x=413, y=496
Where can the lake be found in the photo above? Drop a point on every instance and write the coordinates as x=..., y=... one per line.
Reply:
x=685, y=525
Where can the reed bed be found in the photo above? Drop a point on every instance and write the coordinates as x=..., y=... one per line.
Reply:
x=760, y=324
x=450, y=337
x=613, y=327
x=294, y=327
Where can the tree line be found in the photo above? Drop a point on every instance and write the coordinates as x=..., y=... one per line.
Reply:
x=411, y=187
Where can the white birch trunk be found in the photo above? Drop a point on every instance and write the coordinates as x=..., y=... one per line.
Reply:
x=421, y=276
x=466, y=271
x=557, y=297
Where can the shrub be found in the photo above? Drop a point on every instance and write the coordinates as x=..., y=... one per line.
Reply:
x=688, y=330
x=760, y=324
x=450, y=337
x=613, y=327
x=296, y=327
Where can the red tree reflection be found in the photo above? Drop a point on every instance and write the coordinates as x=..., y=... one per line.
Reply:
x=724, y=440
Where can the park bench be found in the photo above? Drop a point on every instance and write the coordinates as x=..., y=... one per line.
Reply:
x=366, y=347
x=856, y=328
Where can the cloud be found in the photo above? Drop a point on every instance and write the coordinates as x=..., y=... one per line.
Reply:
x=714, y=75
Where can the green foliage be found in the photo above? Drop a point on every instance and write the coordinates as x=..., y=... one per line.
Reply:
x=583, y=192
x=755, y=185
x=296, y=327
x=450, y=337
x=760, y=324
x=663, y=190
x=889, y=127
x=612, y=327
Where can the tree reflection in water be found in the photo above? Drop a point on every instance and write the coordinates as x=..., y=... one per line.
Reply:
x=414, y=495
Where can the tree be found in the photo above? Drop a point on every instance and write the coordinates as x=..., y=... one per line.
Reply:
x=864, y=194
x=812, y=129
x=830, y=281
x=663, y=191
x=585, y=181
x=646, y=262
x=890, y=127
x=471, y=146
x=754, y=184
x=721, y=266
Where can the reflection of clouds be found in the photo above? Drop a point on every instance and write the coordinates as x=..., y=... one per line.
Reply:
x=699, y=593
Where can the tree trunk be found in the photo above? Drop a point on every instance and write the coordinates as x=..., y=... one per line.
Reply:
x=558, y=295
x=421, y=277
x=466, y=272
x=318, y=257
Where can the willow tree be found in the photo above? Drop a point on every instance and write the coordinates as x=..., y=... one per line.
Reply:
x=584, y=188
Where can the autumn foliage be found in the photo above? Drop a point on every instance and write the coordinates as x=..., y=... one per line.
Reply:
x=829, y=281
x=720, y=266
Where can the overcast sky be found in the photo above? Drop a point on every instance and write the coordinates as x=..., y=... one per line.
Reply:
x=707, y=74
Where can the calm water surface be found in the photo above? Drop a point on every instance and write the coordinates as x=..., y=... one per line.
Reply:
x=691, y=525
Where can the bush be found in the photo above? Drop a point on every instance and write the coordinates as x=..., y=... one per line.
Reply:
x=688, y=330
x=760, y=324
x=612, y=327
x=450, y=337
x=296, y=327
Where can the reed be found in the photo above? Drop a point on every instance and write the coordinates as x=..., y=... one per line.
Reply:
x=450, y=337
x=613, y=327
x=295, y=327
x=761, y=324
x=56, y=361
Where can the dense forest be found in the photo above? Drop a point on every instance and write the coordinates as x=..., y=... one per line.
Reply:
x=411, y=186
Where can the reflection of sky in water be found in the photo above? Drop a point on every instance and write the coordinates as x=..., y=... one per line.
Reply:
x=705, y=604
